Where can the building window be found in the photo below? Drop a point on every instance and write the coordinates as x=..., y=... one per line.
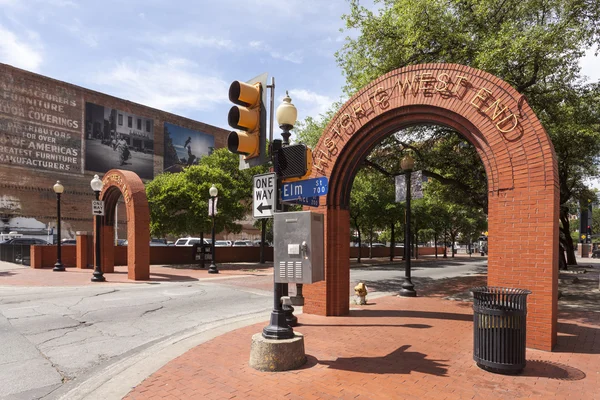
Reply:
x=139, y=124
x=120, y=119
x=130, y=122
x=148, y=125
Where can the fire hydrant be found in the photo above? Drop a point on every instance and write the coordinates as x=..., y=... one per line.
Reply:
x=361, y=293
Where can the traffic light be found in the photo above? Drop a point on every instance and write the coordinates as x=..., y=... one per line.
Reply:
x=292, y=162
x=248, y=115
x=589, y=234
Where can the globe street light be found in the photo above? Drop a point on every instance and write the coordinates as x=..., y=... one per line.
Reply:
x=98, y=275
x=408, y=289
x=213, y=192
x=58, y=189
x=286, y=115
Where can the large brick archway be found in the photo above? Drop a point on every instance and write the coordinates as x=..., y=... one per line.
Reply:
x=519, y=160
x=128, y=184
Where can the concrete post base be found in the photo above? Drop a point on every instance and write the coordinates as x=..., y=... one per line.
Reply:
x=277, y=355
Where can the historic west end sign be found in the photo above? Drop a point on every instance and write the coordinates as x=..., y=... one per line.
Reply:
x=447, y=85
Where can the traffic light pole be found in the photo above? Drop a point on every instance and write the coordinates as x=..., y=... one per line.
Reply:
x=278, y=327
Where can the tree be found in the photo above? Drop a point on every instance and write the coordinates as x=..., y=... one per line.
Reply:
x=179, y=202
x=534, y=45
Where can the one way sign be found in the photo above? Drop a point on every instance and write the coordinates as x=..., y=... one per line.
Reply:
x=263, y=197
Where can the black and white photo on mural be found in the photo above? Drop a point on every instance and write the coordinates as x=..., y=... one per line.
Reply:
x=117, y=139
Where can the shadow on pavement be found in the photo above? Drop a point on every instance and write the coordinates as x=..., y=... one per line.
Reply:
x=399, y=361
x=410, y=314
x=414, y=326
x=552, y=370
x=575, y=338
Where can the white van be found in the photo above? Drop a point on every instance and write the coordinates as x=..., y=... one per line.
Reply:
x=190, y=241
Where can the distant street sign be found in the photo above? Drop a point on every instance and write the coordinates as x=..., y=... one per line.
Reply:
x=210, y=207
x=416, y=186
x=97, y=207
x=306, y=201
x=305, y=188
x=263, y=196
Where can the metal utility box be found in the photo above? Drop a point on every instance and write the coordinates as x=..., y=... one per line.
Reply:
x=299, y=247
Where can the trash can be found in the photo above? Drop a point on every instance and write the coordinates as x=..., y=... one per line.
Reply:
x=499, y=328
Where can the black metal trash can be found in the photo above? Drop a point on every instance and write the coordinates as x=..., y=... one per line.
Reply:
x=499, y=328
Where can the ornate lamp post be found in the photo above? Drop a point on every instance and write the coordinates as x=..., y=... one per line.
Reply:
x=213, y=191
x=58, y=189
x=98, y=275
x=281, y=319
x=408, y=289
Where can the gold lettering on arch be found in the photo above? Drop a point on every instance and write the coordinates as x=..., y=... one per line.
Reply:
x=446, y=85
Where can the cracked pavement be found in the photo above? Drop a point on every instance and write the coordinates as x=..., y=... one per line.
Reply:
x=53, y=337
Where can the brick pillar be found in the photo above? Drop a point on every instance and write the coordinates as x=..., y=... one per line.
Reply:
x=36, y=257
x=84, y=256
x=522, y=254
x=107, y=249
x=332, y=297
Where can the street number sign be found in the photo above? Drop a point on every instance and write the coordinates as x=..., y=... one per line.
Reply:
x=306, y=201
x=305, y=188
x=97, y=207
x=263, y=196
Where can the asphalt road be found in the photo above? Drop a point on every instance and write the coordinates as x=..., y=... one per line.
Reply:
x=68, y=342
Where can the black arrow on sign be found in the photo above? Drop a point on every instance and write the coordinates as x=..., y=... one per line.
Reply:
x=262, y=207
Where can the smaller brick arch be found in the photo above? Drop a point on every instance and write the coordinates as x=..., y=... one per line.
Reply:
x=128, y=184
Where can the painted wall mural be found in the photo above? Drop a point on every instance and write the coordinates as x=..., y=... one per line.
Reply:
x=184, y=147
x=116, y=139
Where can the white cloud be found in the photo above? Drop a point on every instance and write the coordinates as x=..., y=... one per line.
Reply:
x=293, y=57
x=83, y=34
x=19, y=53
x=191, y=39
x=309, y=103
x=173, y=85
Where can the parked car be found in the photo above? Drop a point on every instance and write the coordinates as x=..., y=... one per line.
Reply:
x=68, y=242
x=25, y=241
x=596, y=253
x=378, y=245
x=190, y=241
x=223, y=243
x=158, y=242
x=121, y=242
x=243, y=243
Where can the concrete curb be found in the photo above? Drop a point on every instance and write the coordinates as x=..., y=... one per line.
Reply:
x=118, y=379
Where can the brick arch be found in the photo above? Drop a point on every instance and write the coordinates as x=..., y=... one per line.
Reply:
x=128, y=184
x=519, y=160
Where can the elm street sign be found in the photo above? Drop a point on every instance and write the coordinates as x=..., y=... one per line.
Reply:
x=306, y=188
x=263, y=195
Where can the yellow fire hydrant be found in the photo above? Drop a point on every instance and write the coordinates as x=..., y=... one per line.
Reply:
x=361, y=293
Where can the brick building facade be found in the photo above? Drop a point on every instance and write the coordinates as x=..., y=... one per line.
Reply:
x=51, y=130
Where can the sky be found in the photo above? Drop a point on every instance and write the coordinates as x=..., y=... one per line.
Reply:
x=181, y=56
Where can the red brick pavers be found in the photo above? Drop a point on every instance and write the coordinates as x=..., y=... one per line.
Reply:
x=393, y=348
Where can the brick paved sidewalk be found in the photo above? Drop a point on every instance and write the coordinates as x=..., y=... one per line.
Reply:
x=19, y=276
x=394, y=348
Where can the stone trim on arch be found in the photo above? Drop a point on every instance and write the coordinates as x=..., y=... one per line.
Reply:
x=128, y=184
x=519, y=160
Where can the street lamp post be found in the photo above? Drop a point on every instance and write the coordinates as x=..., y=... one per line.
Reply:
x=58, y=189
x=286, y=116
x=213, y=191
x=408, y=289
x=279, y=325
x=98, y=275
